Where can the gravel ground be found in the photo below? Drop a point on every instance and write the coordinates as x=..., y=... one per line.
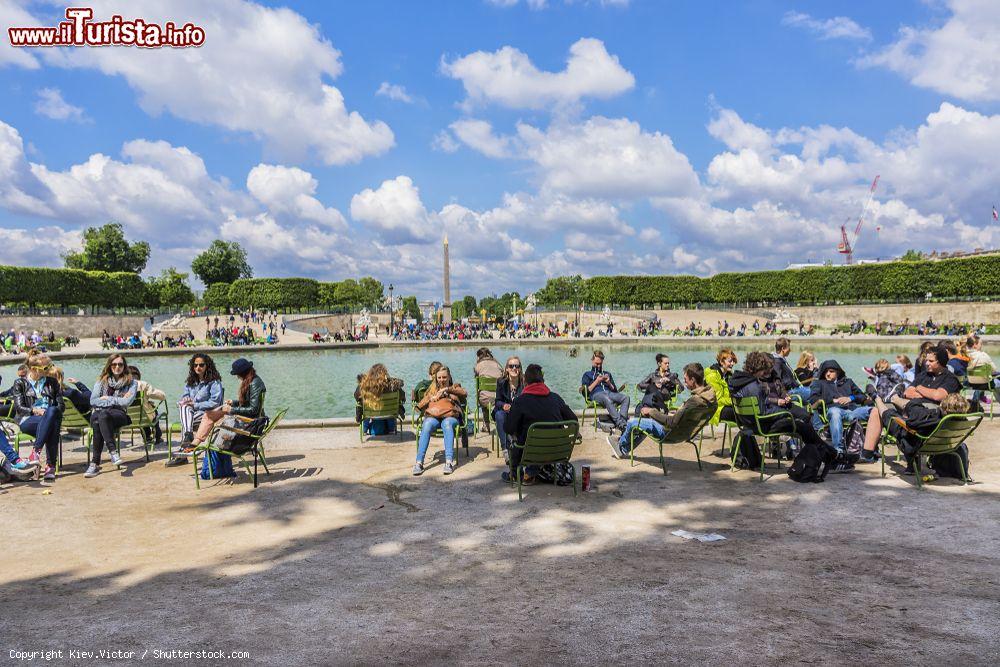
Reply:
x=342, y=557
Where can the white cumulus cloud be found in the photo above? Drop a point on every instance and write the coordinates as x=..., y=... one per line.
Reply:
x=838, y=27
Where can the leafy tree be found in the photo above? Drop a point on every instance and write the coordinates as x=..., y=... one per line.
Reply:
x=561, y=291
x=172, y=288
x=470, y=305
x=348, y=293
x=106, y=249
x=222, y=262
x=411, y=308
x=217, y=296
x=912, y=255
x=370, y=293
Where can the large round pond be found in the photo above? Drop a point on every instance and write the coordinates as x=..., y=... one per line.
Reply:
x=320, y=383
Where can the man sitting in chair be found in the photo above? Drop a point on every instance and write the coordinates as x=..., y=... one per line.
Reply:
x=601, y=389
x=906, y=418
x=537, y=403
x=844, y=400
x=698, y=407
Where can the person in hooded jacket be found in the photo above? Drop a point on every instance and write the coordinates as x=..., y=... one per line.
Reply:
x=717, y=377
x=660, y=386
x=537, y=403
x=843, y=398
x=752, y=382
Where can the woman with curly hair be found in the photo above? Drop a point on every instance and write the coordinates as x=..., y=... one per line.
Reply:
x=200, y=404
x=371, y=386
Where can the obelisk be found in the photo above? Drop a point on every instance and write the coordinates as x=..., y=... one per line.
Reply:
x=446, y=305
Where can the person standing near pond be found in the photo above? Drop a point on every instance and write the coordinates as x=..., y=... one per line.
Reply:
x=200, y=403
x=112, y=394
x=442, y=408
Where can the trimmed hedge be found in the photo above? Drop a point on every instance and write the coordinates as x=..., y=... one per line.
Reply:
x=274, y=293
x=217, y=296
x=73, y=287
x=971, y=277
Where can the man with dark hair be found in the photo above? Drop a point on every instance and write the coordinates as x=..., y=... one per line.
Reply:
x=782, y=348
x=600, y=387
x=699, y=407
x=537, y=403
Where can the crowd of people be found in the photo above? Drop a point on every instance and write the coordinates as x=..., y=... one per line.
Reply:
x=36, y=402
x=904, y=328
x=19, y=342
x=815, y=401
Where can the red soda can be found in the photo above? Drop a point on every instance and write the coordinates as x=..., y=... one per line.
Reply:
x=585, y=477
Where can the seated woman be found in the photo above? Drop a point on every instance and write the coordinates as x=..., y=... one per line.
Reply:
x=486, y=366
x=115, y=390
x=660, y=386
x=371, y=386
x=151, y=396
x=807, y=368
x=250, y=398
x=509, y=387
x=885, y=381
x=199, y=404
x=904, y=368
x=442, y=408
x=421, y=388
x=717, y=377
x=38, y=409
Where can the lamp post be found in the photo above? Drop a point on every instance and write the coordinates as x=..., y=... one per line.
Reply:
x=392, y=323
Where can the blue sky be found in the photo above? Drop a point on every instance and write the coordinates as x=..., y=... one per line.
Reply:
x=575, y=137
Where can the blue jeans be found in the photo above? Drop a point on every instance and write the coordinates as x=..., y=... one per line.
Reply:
x=838, y=416
x=431, y=424
x=802, y=392
x=499, y=419
x=646, y=424
x=616, y=403
x=9, y=452
x=45, y=429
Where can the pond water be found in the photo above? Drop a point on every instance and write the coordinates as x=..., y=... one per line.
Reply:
x=319, y=384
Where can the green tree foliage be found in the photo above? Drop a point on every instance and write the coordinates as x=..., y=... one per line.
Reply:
x=412, y=309
x=371, y=293
x=501, y=306
x=217, y=296
x=71, y=287
x=171, y=289
x=977, y=277
x=561, y=291
x=470, y=305
x=106, y=249
x=274, y=293
x=912, y=255
x=222, y=262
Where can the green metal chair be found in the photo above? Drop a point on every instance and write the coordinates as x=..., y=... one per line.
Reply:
x=748, y=409
x=546, y=443
x=387, y=407
x=589, y=404
x=946, y=437
x=74, y=421
x=980, y=378
x=484, y=383
x=728, y=427
x=819, y=407
x=418, y=422
x=674, y=437
x=257, y=450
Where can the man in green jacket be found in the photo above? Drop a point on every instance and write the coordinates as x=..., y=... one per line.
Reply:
x=682, y=423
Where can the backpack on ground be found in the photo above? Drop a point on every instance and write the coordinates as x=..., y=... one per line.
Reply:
x=812, y=463
x=748, y=455
x=854, y=439
x=217, y=466
x=560, y=474
x=945, y=465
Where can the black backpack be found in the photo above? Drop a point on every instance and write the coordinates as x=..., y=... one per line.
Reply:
x=812, y=463
x=945, y=465
x=747, y=450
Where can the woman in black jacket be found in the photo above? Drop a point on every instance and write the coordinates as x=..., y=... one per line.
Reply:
x=38, y=409
x=509, y=386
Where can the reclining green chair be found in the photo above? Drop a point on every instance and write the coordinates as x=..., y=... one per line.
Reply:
x=748, y=411
x=675, y=436
x=546, y=443
x=980, y=378
x=947, y=436
x=387, y=408
x=257, y=450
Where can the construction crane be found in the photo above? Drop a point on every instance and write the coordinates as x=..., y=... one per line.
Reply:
x=847, y=247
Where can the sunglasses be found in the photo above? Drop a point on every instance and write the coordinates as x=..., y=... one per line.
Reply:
x=41, y=368
x=199, y=365
x=513, y=365
x=117, y=364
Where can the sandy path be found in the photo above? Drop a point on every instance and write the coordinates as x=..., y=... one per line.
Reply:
x=341, y=557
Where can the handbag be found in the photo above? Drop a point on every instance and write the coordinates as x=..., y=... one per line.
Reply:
x=440, y=408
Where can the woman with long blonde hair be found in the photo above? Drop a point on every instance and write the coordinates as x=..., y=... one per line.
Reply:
x=38, y=408
x=371, y=386
x=509, y=386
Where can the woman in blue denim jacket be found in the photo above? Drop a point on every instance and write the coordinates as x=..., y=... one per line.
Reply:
x=202, y=394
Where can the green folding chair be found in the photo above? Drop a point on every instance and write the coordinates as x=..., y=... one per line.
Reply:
x=484, y=383
x=387, y=407
x=74, y=421
x=980, y=378
x=762, y=425
x=257, y=451
x=546, y=443
x=946, y=438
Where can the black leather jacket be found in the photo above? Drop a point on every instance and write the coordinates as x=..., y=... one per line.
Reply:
x=24, y=396
x=251, y=407
x=504, y=393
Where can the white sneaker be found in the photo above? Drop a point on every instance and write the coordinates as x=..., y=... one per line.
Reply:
x=116, y=459
x=449, y=467
x=418, y=469
x=93, y=470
